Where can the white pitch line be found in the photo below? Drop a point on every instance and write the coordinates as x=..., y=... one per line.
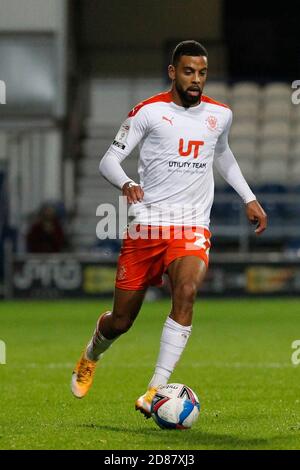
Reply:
x=219, y=365
x=245, y=365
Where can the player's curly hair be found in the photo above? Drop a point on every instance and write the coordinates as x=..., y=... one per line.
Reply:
x=189, y=47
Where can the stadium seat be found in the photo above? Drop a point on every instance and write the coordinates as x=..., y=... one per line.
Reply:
x=269, y=196
x=272, y=188
x=219, y=181
x=277, y=92
x=243, y=130
x=273, y=150
x=296, y=132
x=220, y=188
x=3, y=145
x=243, y=149
x=275, y=130
x=295, y=114
x=245, y=91
x=293, y=204
x=218, y=91
x=248, y=169
x=295, y=151
x=245, y=110
x=296, y=189
x=273, y=171
x=226, y=213
x=279, y=111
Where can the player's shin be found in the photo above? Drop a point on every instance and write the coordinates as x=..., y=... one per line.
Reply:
x=173, y=341
x=98, y=343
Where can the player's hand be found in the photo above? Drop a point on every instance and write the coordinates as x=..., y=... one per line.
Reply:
x=133, y=192
x=257, y=216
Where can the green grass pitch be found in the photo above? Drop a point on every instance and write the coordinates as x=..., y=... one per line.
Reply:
x=238, y=360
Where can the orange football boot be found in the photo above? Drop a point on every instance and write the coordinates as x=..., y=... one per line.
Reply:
x=83, y=376
x=143, y=404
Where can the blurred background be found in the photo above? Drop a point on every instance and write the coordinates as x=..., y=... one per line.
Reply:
x=71, y=70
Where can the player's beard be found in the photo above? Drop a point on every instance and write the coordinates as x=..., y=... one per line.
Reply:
x=186, y=98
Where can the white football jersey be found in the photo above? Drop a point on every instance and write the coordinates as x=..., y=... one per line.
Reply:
x=176, y=153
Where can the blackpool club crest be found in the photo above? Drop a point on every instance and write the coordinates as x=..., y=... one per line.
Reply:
x=212, y=123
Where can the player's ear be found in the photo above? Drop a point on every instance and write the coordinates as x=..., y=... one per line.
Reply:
x=171, y=72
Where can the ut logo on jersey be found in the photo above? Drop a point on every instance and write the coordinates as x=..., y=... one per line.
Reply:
x=192, y=144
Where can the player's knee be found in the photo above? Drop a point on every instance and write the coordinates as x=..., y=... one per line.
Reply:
x=186, y=292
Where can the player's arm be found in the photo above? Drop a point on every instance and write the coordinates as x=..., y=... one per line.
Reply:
x=229, y=169
x=130, y=134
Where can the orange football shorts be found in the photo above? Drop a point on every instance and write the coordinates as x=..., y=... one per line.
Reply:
x=148, y=250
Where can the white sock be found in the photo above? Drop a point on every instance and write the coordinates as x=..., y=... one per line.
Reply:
x=173, y=341
x=98, y=344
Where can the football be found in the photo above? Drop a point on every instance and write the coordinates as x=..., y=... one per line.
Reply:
x=175, y=406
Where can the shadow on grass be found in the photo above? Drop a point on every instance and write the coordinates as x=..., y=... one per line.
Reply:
x=192, y=436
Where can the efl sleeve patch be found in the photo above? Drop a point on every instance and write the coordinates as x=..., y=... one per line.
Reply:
x=121, y=137
x=118, y=144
